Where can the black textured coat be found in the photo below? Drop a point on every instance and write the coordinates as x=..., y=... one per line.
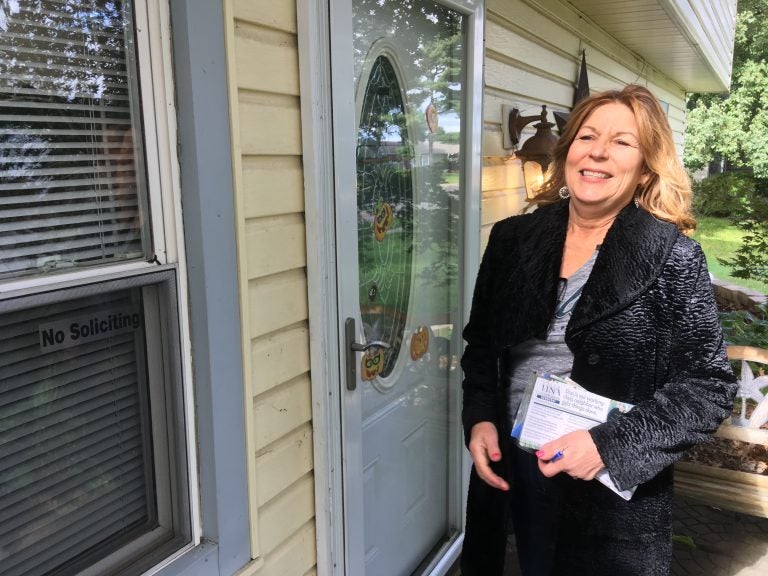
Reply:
x=645, y=330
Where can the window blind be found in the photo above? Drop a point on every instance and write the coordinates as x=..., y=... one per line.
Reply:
x=72, y=183
x=75, y=455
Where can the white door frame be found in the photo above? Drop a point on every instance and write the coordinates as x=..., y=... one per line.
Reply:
x=313, y=19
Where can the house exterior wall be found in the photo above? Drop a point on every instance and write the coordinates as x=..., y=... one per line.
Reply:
x=532, y=57
x=266, y=133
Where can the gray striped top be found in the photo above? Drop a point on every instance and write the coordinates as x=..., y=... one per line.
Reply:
x=551, y=355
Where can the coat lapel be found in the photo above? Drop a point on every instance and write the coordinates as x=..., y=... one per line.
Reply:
x=541, y=253
x=630, y=259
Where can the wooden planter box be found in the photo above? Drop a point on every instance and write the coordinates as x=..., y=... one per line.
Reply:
x=742, y=492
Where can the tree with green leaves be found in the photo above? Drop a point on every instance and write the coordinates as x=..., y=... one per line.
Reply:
x=734, y=127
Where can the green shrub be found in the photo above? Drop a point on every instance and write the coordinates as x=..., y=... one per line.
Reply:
x=722, y=194
x=742, y=328
x=750, y=261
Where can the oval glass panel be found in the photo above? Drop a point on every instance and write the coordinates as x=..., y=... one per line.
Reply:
x=384, y=213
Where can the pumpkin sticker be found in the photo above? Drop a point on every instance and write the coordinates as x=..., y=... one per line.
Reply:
x=382, y=221
x=419, y=342
x=371, y=364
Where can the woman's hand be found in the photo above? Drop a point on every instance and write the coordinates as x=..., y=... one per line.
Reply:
x=484, y=448
x=580, y=458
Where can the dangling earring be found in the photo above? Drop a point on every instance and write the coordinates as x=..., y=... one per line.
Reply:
x=636, y=200
x=564, y=193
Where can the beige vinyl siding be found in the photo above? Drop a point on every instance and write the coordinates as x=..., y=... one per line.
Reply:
x=262, y=51
x=532, y=57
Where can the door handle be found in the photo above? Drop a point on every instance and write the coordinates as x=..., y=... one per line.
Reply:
x=352, y=346
x=365, y=347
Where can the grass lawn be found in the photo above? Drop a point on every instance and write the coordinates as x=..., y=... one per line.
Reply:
x=451, y=178
x=719, y=238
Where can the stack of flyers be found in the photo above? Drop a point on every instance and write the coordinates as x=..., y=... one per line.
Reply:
x=553, y=406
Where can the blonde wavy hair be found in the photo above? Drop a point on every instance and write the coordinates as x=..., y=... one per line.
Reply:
x=667, y=192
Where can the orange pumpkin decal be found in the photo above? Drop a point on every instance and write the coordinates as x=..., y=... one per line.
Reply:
x=371, y=364
x=382, y=221
x=419, y=342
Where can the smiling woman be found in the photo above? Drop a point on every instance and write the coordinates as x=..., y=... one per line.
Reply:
x=595, y=284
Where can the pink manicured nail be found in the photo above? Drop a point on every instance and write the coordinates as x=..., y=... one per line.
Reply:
x=495, y=455
x=539, y=453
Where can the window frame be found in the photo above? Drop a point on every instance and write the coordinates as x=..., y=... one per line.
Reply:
x=169, y=437
x=184, y=75
x=184, y=96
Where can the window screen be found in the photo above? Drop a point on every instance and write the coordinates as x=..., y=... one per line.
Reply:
x=72, y=189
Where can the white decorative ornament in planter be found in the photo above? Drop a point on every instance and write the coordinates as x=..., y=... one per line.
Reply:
x=740, y=491
x=751, y=388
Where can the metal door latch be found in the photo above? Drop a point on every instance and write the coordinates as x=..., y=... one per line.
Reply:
x=352, y=346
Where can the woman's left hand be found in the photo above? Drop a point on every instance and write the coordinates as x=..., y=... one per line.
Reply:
x=579, y=456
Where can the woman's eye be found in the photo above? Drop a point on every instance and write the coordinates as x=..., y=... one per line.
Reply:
x=585, y=137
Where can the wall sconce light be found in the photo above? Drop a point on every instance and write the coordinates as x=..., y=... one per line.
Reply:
x=536, y=152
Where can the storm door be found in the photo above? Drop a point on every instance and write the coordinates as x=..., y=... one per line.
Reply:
x=399, y=144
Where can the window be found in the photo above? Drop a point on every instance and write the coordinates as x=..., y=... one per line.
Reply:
x=73, y=187
x=93, y=438
x=89, y=452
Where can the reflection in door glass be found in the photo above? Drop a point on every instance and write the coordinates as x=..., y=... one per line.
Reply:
x=385, y=213
x=410, y=86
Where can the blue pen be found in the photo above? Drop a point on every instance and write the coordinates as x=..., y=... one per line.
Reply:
x=557, y=456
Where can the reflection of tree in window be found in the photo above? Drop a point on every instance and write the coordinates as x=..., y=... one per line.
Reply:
x=384, y=187
x=70, y=142
x=433, y=37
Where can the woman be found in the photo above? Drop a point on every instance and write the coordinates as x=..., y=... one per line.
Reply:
x=599, y=282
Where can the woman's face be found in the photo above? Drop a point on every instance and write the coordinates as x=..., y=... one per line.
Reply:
x=604, y=164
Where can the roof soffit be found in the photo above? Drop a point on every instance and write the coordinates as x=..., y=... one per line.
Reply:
x=690, y=41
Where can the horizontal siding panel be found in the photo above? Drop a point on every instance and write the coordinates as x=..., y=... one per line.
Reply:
x=272, y=185
x=519, y=81
x=521, y=48
x=280, y=14
x=502, y=176
x=286, y=514
x=277, y=301
x=266, y=60
x=525, y=17
x=278, y=358
x=275, y=245
x=280, y=411
x=499, y=205
x=295, y=557
x=492, y=141
x=270, y=125
x=283, y=462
